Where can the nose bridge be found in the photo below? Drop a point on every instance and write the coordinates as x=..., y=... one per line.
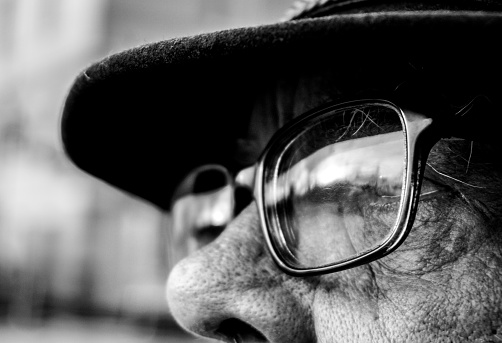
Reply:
x=206, y=288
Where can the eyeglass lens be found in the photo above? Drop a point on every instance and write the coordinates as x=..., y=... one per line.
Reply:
x=204, y=205
x=333, y=186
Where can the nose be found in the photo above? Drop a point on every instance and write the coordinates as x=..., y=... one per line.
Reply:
x=231, y=290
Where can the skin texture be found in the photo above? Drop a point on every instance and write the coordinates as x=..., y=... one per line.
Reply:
x=444, y=284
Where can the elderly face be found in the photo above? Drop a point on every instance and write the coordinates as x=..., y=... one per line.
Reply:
x=443, y=284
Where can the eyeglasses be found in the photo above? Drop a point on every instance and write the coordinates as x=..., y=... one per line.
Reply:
x=339, y=187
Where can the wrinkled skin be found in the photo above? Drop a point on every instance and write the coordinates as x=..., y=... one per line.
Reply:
x=444, y=284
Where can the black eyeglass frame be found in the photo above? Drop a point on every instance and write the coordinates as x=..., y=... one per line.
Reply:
x=419, y=137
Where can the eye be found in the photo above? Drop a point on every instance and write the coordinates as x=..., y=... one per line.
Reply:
x=343, y=218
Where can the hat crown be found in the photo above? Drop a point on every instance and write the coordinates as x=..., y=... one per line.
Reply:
x=318, y=8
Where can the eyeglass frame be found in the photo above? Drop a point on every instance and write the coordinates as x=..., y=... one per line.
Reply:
x=421, y=133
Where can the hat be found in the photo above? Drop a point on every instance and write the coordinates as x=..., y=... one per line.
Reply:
x=142, y=118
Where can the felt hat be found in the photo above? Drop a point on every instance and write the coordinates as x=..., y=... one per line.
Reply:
x=141, y=119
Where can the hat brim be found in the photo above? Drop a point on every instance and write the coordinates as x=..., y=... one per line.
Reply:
x=141, y=119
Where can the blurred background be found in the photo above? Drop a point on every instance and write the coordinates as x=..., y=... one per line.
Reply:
x=79, y=260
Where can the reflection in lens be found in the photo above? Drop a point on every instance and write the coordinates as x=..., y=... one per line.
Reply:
x=375, y=161
x=203, y=205
x=337, y=187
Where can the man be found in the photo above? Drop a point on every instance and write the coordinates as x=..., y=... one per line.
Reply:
x=366, y=133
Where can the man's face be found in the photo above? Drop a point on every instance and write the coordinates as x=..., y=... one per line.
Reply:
x=443, y=284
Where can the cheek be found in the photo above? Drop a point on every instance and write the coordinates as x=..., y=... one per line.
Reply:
x=460, y=303
x=445, y=280
x=346, y=307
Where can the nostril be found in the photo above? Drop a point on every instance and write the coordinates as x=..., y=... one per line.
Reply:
x=238, y=331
